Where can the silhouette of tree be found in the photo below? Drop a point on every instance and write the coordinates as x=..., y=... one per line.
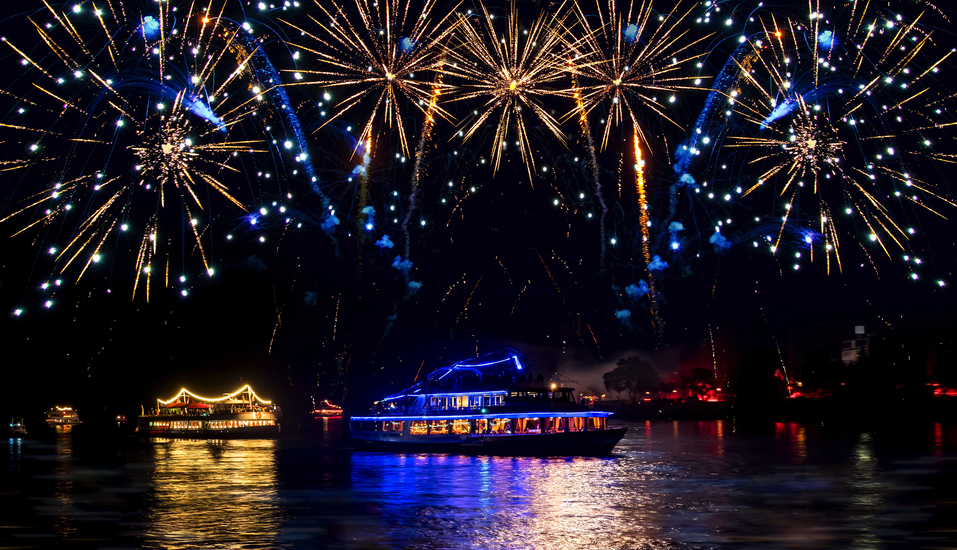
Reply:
x=634, y=376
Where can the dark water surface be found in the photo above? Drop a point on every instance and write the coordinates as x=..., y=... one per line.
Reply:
x=669, y=485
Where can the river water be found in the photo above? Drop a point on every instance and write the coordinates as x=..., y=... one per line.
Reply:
x=668, y=485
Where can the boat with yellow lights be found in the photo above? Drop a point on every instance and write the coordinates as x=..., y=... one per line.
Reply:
x=239, y=414
x=487, y=405
x=62, y=418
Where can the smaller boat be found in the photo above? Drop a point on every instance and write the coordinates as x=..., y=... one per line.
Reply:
x=326, y=410
x=17, y=427
x=63, y=418
x=234, y=415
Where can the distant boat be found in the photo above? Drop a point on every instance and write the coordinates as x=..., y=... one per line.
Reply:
x=485, y=406
x=17, y=427
x=62, y=418
x=234, y=415
x=326, y=410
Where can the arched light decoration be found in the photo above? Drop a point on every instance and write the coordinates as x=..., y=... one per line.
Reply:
x=184, y=392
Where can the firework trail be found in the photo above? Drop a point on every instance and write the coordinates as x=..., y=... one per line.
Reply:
x=834, y=117
x=509, y=74
x=644, y=220
x=593, y=160
x=427, y=127
x=132, y=118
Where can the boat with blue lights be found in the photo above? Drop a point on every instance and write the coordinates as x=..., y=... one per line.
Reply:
x=240, y=414
x=17, y=427
x=486, y=405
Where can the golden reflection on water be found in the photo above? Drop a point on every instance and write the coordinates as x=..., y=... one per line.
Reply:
x=214, y=493
x=62, y=506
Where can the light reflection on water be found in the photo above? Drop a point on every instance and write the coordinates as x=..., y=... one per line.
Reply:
x=670, y=485
x=221, y=492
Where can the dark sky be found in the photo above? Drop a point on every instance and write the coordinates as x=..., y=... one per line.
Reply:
x=305, y=314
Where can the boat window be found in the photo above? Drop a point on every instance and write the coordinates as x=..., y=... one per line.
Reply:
x=594, y=423
x=501, y=426
x=418, y=427
x=480, y=426
x=526, y=426
x=392, y=426
x=460, y=427
x=438, y=426
x=576, y=424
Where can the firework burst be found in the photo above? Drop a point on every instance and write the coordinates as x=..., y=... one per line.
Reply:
x=834, y=116
x=510, y=74
x=130, y=119
x=374, y=50
x=628, y=58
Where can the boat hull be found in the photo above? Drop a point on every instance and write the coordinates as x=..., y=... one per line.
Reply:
x=589, y=443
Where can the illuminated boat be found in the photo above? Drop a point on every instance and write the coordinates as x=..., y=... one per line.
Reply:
x=234, y=415
x=326, y=410
x=486, y=405
x=17, y=427
x=62, y=418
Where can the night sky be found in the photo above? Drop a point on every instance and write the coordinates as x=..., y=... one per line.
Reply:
x=298, y=310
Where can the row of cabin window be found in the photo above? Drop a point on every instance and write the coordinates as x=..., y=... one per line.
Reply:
x=194, y=425
x=488, y=426
x=464, y=402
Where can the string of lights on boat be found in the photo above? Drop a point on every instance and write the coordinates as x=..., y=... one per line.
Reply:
x=140, y=135
x=226, y=398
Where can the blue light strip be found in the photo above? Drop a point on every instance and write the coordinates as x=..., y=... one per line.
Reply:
x=489, y=416
x=467, y=393
x=510, y=358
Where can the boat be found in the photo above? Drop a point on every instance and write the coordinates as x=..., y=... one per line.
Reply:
x=62, y=418
x=326, y=410
x=239, y=414
x=17, y=427
x=487, y=405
